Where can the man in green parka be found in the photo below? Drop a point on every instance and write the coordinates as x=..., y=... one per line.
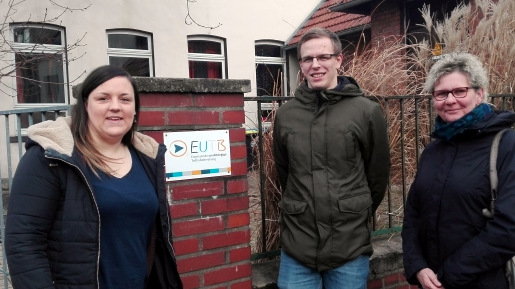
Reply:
x=332, y=156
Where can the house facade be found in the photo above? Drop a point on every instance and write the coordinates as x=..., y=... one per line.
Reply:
x=52, y=45
x=360, y=22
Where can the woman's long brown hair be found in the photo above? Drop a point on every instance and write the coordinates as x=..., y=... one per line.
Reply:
x=79, y=125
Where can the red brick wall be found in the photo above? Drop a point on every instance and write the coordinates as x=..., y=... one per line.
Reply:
x=209, y=215
x=395, y=280
x=386, y=19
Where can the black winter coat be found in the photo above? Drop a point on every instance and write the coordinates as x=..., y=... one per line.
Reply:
x=53, y=223
x=444, y=228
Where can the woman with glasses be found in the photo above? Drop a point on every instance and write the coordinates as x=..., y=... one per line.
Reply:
x=448, y=241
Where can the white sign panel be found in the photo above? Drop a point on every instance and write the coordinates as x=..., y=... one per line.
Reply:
x=197, y=154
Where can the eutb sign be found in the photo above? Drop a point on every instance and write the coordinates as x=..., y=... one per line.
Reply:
x=197, y=154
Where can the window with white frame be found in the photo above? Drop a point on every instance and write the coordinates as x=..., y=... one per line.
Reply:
x=40, y=63
x=269, y=68
x=132, y=51
x=269, y=73
x=206, y=57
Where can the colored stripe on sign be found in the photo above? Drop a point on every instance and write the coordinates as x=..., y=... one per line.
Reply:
x=198, y=172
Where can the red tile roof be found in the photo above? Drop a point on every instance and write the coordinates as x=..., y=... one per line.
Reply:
x=337, y=22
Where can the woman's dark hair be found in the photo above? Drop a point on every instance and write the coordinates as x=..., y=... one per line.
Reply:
x=79, y=124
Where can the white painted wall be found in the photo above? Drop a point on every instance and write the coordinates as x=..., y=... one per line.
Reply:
x=240, y=22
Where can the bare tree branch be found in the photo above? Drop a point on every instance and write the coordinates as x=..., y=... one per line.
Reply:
x=189, y=20
x=18, y=56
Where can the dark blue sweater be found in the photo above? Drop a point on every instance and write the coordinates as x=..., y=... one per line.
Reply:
x=128, y=206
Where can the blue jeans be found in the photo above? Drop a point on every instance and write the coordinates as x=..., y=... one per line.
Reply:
x=295, y=275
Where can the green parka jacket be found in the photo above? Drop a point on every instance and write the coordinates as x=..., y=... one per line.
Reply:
x=333, y=161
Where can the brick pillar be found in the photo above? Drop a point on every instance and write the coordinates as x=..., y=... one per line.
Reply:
x=210, y=215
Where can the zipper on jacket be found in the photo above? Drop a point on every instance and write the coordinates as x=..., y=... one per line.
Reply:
x=169, y=203
x=94, y=202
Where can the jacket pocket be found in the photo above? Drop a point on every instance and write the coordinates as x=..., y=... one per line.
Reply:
x=355, y=204
x=291, y=206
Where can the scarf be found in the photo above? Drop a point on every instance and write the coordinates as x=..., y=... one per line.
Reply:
x=448, y=130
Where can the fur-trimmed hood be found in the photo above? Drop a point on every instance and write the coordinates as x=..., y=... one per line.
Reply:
x=57, y=135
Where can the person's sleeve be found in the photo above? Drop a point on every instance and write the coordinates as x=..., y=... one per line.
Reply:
x=413, y=258
x=495, y=243
x=280, y=154
x=31, y=211
x=376, y=155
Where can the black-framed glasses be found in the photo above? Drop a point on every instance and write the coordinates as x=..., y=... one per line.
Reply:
x=458, y=92
x=320, y=58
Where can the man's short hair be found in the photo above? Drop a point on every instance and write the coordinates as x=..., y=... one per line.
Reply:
x=319, y=32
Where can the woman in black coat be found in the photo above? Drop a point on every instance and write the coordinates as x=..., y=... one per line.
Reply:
x=88, y=206
x=447, y=240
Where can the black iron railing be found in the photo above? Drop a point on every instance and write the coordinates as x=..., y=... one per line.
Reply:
x=410, y=121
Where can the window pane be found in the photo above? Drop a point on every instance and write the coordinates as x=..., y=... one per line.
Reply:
x=127, y=41
x=134, y=66
x=268, y=50
x=39, y=78
x=37, y=35
x=202, y=46
x=205, y=69
x=269, y=79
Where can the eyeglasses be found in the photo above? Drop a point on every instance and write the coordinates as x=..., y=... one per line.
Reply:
x=320, y=58
x=458, y=92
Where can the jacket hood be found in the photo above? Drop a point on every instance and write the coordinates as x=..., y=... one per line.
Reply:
x=350, y=88
x=57, y=135
x=498, y=120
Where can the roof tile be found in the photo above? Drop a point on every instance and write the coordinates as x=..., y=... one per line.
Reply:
x=335, y=21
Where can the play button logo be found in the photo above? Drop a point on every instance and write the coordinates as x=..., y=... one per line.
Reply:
x=177, y=148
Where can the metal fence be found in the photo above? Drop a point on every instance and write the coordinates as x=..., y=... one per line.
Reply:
x=410, y=121
x=409, y=118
